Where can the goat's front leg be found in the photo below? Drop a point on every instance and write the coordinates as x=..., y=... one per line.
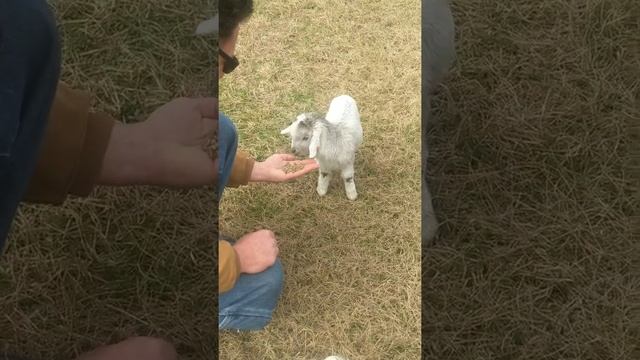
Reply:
x=324, y=178
x=349, y=182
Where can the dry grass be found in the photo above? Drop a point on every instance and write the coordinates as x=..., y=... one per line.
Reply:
x=352, y=269
x=538, y=255
x=126, y=261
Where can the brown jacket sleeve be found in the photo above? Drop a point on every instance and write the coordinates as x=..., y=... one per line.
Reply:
x=74, y=145
x=241, y=171
x=228, y=266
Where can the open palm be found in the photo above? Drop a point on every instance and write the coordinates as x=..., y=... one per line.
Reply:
x=273, y=169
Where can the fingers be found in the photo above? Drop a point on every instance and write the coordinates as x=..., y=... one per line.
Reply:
x=292, y=160
x=308, y=162
x=208, y=109
x=209, y=126
x=207, y=106
x=307, y=169
x=257, y=250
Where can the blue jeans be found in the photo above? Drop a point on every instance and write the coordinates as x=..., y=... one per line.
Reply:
x=227, y=147
x=250, y=304
x=29, y=71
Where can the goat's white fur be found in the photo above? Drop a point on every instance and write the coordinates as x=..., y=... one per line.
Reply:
x=314, y=144
x=333, y=142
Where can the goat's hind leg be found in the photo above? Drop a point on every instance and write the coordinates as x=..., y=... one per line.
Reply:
x=324, y=178
x=349, y=182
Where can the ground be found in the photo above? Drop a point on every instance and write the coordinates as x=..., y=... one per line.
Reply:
x=139, y=261
x=124, y=261
x=537, y=256
x=352, y=269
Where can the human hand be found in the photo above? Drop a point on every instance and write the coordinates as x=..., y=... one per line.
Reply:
x=256, y=251
x=168, y=149
x=272, y=169
x=136, y=348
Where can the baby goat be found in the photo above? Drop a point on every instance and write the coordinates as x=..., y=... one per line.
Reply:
x=332, y=140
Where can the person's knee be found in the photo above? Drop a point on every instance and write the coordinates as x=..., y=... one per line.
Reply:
x=272, y=284
x=274, y=281
x=255, y=305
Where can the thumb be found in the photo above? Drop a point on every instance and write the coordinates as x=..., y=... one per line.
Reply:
x=207, y=107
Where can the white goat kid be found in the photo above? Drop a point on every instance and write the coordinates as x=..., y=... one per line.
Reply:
x=332, y=140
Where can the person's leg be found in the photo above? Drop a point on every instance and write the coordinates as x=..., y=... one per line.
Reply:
x=249, y=305
x=227, y=147
x=29, y=71
x=251, y=302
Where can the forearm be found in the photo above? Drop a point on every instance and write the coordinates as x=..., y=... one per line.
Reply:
x=126, y=159
x=72, y=151
x=83, y=149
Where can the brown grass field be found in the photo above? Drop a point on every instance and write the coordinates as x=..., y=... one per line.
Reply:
x=530, y=167
x=352, y=269
x=125, y=261
x=538, y=254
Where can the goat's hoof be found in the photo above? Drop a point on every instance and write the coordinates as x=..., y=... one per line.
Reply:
x=321, y=192
x=352, y=196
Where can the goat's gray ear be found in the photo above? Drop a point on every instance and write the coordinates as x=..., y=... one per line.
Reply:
x=287, y=130
x=314, y=143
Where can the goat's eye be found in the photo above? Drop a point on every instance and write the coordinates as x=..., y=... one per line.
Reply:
x=305, y=138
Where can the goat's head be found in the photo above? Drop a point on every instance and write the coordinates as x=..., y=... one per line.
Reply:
x=305, y=135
